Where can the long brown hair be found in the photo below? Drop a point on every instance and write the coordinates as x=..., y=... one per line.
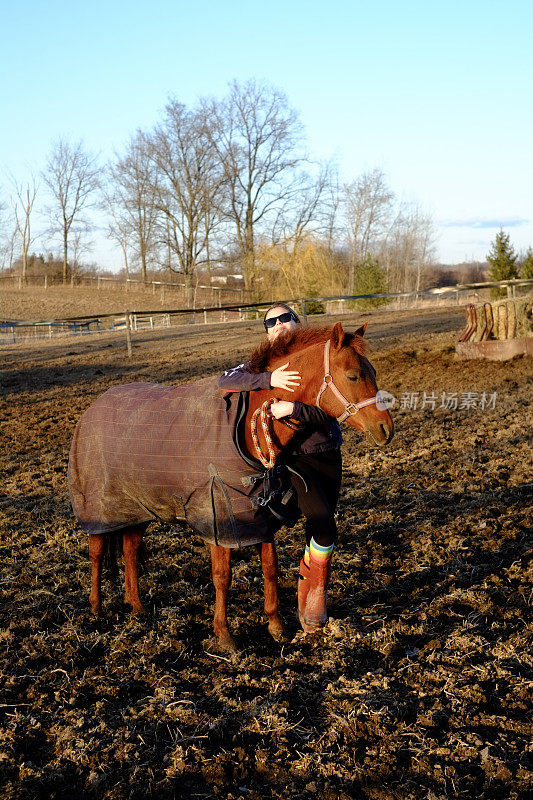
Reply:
x=290, y=341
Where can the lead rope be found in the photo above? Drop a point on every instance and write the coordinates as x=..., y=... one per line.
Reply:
x=262, y=410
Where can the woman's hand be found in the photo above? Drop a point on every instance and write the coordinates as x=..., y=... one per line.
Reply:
x=282, y=378
x=281, y=408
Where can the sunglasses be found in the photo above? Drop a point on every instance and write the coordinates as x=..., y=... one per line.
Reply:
x=285, y=317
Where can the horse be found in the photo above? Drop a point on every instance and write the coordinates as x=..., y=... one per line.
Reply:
x=336, y=376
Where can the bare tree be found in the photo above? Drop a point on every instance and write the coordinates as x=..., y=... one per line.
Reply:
x=130, y=201
x=304, y=209
x=368, y=205
x=256, y=135
x=332, y=204
x=300, y=220
x=8, y=236
x=118, y=226
x=186, y=187
x=408, y=249
x=3, y=231
x=72, y=176
x=23, y=206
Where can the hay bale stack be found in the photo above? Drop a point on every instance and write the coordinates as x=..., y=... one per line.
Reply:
x=513, y=319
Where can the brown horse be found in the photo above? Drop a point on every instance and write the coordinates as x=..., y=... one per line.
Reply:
x=338, y=378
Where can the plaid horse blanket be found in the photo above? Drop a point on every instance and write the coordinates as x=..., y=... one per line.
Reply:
x=146, y=451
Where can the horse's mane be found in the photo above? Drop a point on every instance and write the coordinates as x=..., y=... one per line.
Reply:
x=295, y=340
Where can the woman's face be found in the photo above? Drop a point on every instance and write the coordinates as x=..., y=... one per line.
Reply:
x=274, y=332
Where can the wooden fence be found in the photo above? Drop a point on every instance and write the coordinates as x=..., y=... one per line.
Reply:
x=196, y=296
x=16, y=330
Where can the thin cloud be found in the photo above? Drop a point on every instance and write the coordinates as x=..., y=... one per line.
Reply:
x=479, y=222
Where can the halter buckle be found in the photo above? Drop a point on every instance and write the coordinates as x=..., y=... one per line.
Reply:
x=326, y=381
x=351, y=409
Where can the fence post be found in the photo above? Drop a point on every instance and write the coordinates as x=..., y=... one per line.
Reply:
x=46, y=281
x=304, y=310
x=128, y=334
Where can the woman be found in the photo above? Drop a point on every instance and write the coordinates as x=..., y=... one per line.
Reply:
x=314, y=454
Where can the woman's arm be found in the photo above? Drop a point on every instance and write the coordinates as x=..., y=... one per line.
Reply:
x=241, y=379
x=299, y=412
x=304, y=413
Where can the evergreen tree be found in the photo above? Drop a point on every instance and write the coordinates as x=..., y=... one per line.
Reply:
x=526, y=269
x=370, y=279
x=502, y=259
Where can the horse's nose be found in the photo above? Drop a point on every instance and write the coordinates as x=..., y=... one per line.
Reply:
x=387, y=431
x=383, y=433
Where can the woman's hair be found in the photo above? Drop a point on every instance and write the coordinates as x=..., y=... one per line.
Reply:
x=282, y=305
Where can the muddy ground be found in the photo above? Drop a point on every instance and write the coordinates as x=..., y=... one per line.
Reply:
x=420, y=685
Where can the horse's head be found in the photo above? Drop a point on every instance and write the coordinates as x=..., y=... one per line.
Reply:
x=336, y=376
x=349, y=390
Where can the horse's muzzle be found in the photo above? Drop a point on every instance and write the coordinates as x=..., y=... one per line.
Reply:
x=381, y=432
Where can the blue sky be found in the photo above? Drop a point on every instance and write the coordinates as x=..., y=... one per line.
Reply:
x=437, y=95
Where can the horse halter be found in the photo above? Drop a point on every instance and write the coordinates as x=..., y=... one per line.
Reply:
x=350, y=409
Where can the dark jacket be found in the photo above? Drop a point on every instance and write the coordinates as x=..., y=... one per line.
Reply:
x=320, y=433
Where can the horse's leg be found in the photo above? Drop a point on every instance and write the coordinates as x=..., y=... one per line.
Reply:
x=269, y=563
x=96, y=555
x=221, y=570
x=131, y=542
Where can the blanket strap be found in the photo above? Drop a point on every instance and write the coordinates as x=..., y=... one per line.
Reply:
x=216, y=479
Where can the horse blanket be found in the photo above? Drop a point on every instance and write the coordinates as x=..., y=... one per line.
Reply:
x=146, y=451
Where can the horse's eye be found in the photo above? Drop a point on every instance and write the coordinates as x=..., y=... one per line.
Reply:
x=353, y=376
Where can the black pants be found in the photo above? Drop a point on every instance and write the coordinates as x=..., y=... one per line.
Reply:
x=322, y=473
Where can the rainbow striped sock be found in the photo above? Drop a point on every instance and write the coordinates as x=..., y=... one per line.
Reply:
x=319, y=553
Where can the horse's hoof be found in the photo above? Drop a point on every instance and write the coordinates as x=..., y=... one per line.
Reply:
x=96, y=607
x=226, y=642
x=276, y=630
x=137, y=609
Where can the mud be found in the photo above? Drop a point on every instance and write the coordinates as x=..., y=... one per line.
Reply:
x=420, y=685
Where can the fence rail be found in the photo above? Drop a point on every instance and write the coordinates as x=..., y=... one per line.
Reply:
x=196, y=295
x=16, y=330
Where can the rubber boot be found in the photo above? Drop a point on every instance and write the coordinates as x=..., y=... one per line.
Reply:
x=315, y=614
x=304, y=583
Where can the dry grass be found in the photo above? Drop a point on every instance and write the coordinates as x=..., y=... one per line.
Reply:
x=418, y=689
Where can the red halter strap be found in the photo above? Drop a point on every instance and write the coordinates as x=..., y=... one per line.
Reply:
x=350, y=409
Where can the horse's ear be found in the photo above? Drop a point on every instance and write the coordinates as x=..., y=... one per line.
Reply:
x=361, y=331
x=337, y=336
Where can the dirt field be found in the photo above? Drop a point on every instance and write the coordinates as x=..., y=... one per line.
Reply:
x=420, y=685
x=58, y=302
